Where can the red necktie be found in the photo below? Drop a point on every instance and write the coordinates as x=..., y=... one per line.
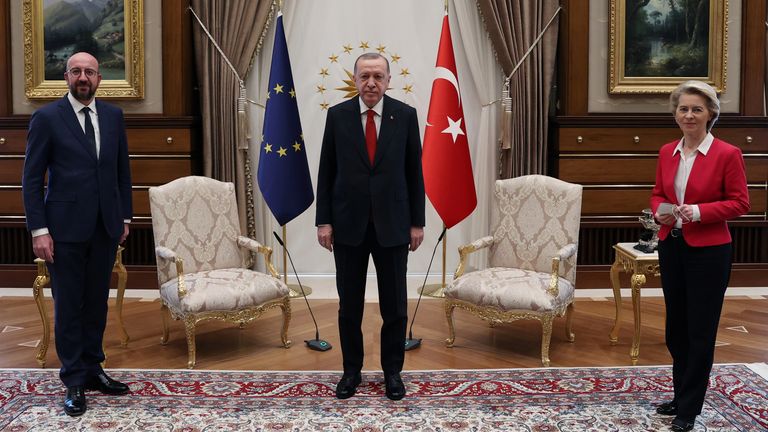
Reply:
x=370, y=135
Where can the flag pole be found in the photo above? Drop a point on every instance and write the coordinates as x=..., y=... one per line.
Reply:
x=293, y=289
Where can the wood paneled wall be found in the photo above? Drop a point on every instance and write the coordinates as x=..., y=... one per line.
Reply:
x=614, y=156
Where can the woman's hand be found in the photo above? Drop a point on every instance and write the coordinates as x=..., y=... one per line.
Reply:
x=665, y=219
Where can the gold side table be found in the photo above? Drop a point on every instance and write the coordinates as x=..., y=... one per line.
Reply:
x=42, y=280
x=639, y=264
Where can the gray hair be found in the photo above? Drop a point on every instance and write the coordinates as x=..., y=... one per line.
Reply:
x=702, y=89
x=370, y=56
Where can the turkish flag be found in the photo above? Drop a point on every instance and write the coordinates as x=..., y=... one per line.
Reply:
x=447, y=167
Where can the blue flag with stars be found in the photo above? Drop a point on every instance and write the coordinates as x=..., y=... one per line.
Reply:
x=283, y=169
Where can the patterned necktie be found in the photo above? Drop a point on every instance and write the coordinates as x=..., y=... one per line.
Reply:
x=370, y=135
x=90, y=134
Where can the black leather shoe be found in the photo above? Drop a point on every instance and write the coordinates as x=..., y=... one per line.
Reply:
x=347, y=386
x=395, y=389
x=667, y=408
x=74, y=401
x=106, y=385
x=680, y=425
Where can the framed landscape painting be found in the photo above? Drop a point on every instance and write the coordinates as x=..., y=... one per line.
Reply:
x=657, y=44
x=111, y=30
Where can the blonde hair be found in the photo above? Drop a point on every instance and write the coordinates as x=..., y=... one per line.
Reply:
x=694, y=87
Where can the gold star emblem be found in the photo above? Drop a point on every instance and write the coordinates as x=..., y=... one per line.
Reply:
x=292, y=93
x=333, y=58
x=296, y=146
x=364, y=45
x=404, y=72
x=324, y=72
x=381, y=48
x=279, y=89
x=323, y=106
x=395, y=58
x=281, y=152
x=350, y=87
x=267, y=95
x=408, y=88
x=348, y=49
x=321, y=88
x=268, y=148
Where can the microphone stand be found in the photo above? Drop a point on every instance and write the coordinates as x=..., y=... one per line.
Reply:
x=316, y=344
x=410, y=342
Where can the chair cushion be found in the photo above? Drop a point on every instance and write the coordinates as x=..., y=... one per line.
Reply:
x=222, y=290
x=510, y=288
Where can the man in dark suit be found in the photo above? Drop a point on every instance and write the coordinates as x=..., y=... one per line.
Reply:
x=78, y=222
x=370, y=201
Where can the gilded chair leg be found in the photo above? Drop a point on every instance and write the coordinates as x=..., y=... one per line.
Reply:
x=546, y=335
x=286, y=307
x=451, y=330
x=164, y=312
x=189, y=326
x=569, y=336
x=41, y=281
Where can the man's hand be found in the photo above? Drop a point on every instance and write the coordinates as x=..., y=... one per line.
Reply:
x=325, y=236
x=125, y=234
x=417, y=236
x=42, y=246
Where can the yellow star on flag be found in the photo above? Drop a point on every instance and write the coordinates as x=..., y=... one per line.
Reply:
x=292, y=93
x=324, y=106
x=278, y=88
x=333, y=58
x=364, y=45
x=320, y=88
x=296, y=146
x=395, y=58
x=348, y=49
x=381, y=48
x=408, y=88
x=281, y=152
x=404, y=72
x=268, y=148
x=324, y=72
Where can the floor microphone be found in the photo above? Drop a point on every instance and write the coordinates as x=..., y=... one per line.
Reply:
x=316, y=344
x=412, y=343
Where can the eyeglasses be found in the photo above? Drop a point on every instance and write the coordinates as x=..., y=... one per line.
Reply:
x=90, y=73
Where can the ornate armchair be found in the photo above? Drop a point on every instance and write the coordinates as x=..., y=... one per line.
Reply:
x=532, y=258
x=203, y=263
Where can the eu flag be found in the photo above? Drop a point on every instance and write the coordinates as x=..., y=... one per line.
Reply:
x=283, y=170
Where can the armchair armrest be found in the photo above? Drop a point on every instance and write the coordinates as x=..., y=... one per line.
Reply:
x=566, y=252
x=254, y=246
x=167, y=254
x=467, y=249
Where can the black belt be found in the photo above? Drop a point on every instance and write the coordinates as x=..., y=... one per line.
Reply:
x=676, y=232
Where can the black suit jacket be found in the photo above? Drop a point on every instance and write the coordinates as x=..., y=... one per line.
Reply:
x=80, y=186
x=350, y=191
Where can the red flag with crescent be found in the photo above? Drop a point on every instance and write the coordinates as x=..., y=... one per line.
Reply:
x=446, y=163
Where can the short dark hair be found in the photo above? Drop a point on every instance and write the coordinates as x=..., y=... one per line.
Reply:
x=370, y=56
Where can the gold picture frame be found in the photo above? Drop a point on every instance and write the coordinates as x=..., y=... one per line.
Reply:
x=652, y=50
x=118, y=44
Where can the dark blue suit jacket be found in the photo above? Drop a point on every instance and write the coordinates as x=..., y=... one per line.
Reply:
x=350, y=191
x=80, y=186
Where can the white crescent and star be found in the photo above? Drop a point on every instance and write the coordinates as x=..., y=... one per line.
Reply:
x=454, y=126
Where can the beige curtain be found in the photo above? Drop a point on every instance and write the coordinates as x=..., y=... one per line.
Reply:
x=238, y=27
x=513, y=25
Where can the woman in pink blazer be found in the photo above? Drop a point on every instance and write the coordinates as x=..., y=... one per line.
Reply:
x=700, y=184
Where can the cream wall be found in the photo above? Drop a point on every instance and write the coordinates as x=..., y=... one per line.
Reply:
x=153, y=64
x=601, y=102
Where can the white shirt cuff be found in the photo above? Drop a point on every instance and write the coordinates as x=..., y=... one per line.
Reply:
x=40, y=231
x=696, y=213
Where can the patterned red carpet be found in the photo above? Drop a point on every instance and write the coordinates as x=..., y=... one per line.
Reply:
x=594, y=399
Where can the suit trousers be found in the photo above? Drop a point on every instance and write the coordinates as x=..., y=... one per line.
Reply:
x=351, y=267
x=694, y=280
x=80, y=276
